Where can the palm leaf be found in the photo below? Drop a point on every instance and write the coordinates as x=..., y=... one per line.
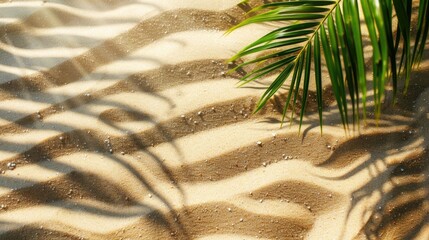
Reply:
x=310, y=26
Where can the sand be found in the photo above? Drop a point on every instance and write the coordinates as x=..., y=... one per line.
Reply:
x=123, y=123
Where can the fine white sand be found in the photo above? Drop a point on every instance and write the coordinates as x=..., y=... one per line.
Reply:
x=124, y=124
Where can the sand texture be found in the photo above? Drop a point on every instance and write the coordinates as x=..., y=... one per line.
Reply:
x=118, y=120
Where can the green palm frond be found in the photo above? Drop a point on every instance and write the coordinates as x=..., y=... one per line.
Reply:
x=311, y=27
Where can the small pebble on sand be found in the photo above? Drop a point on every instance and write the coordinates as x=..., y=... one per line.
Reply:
x=11, y=165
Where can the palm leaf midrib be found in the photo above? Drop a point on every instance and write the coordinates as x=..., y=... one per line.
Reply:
x=322, y=22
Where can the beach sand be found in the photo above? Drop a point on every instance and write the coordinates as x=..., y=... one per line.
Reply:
x=119, y=120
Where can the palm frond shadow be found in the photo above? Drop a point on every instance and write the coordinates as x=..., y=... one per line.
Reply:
x=70, y=140
x=379, y=147
x=405, y=201
x=401, y=183
x=40, y=153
